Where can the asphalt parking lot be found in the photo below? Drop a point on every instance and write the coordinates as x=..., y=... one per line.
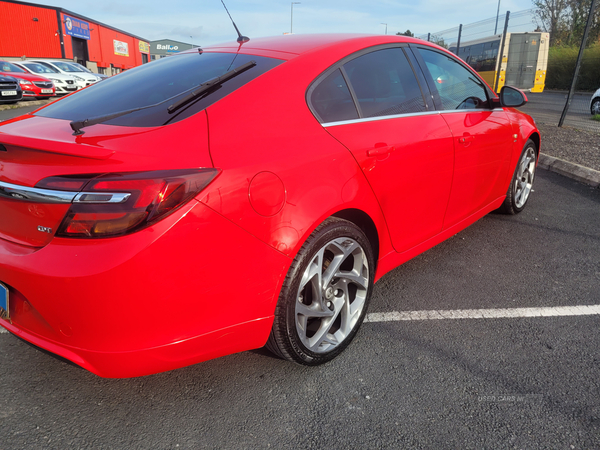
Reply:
x=521, y=382
x=548, y=106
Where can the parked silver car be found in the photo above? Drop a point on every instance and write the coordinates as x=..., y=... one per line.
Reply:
x=595, y=103
x=82, y=78
x=64, y=84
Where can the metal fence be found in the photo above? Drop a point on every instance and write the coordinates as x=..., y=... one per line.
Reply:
x=546, y=107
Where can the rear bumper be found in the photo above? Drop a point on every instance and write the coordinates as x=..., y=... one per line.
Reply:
x=191, y=288
x=140, y=362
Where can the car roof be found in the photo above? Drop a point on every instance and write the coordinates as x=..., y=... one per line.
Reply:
x=297, y=44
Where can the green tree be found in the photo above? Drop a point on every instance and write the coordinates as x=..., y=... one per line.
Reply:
x=438, y=40
x=406, y=33
x=565, y=20
x=553, y=15
x=579, y=10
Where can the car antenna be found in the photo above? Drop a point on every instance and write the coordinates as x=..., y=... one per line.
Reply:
x=241, y=39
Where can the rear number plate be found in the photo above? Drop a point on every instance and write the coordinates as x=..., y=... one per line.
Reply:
x=7, y=93
x=46, y=91
x=3, y=302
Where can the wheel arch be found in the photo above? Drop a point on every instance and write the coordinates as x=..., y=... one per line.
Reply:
x=362, y=220
x=535, y=137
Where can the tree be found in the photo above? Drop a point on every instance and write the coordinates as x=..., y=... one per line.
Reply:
x=406, y=33
x=438, y=40
x=565, y=20
x=579, y=10
x=554, y=15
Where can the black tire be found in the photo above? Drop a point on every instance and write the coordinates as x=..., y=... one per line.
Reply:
x=595, y=106
x=313, y=325
x=522, y=181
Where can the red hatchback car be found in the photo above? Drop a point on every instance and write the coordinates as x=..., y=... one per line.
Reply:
x=244, y=195
x=32, y=85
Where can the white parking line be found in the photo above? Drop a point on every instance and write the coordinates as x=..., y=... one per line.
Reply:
x=584, y=310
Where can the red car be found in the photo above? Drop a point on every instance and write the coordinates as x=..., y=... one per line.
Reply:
x=32, y=85
x=245, y=194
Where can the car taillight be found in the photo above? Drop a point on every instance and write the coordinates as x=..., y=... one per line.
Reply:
x=116, y=204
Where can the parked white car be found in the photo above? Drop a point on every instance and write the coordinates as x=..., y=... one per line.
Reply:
x=82, y=78
x=64, y=84
x=99, y=75
x=595, y=103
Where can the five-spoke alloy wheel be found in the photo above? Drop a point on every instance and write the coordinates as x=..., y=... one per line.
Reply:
x=325, y=295
x=522, y=181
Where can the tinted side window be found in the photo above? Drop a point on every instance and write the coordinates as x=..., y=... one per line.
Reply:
x=457, y=87
x=384, y=83
x=331, y=99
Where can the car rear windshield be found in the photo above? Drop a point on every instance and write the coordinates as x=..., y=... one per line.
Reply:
x=165, y=80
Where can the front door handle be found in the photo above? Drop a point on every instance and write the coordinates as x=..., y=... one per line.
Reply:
x=466, y=139
x=381, y=151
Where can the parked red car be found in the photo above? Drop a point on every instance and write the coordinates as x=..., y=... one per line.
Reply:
x=32, y=85
x=245, y=194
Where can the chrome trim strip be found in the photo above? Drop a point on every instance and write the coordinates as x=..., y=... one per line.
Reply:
x=455, y=111
x=374, y=119
x=25, y=193
x=31, y=194
x=99, y=197
x=398, y=116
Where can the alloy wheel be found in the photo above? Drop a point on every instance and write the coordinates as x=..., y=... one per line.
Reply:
x=332, y=294
x=524, y=178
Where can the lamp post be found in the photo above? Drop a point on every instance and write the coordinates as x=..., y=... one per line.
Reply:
x=385, y=26
x=292, y=16
x=497, y=15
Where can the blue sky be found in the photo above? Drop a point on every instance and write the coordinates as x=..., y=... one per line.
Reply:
x=207, y=22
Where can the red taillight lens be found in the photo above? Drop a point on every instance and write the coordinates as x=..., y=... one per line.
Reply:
x=116, y=204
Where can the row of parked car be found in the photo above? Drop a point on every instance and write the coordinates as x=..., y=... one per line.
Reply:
x=42, y=78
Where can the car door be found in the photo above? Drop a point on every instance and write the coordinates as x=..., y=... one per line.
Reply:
x=373, y=104
x=483, y=139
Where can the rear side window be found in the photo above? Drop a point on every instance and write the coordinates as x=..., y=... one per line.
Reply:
x=332, y=101
x=385, y=84
x=374, y=84
x=165, y=80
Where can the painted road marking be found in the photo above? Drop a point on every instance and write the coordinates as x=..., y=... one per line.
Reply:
x=555, y=311
x=583, y=310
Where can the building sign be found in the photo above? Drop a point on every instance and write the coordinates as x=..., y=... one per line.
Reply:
x=76, y=28
x=121, y=48
x=144, y=47
x=167, y=47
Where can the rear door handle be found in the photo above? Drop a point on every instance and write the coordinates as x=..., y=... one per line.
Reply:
x=380, y=151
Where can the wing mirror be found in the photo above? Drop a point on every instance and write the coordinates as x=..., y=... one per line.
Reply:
x=510, y=97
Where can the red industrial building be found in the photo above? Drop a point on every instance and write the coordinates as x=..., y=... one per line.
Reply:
x=30, y=30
